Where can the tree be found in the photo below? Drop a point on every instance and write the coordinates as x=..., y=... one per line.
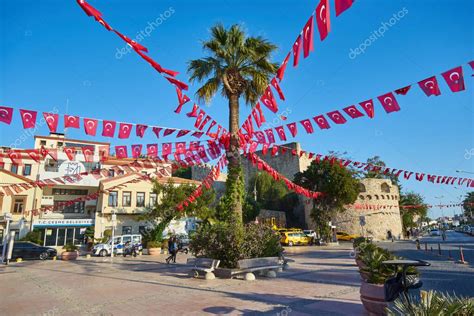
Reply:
x=376, y=161
x=164, y=211
x=339, y=185
x=238, y=66
x=408, y=214
x=183, y=172
x=468, y=205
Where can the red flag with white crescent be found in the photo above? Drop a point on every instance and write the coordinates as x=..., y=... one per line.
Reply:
x=152, y=150
x=260, y=137
x=133, y=44
x=6, y=114
x=108, y=128
x=430, y=86
x=70, y=153
x=337, y=117
x=403, y=91
x=321, y=121
x=292, y=128
x=281, y=133
x=182, y=100
x=28, y=118
x=199, y=118
x=169, y=131
x=140, y=130
x=90, y=126
x=454, y=78
x=15, y=156
x=52, y=121
x=296, y=50
x=368, y=107
x=136, y=151
x=322, y=18
x=88, y=152
x=277, y=87
x=166, y=149
x=256, y=118
x=342, y=5
x=269, y=100
x=156, y=130
x=177, y=83
x=183, y=132
x=213, y=123
x=389, y=102
x=308, y=37
x=71, y=121
x=307, y=126
x=204, y=122
x=353, y=112
x=34, y=154
x=281, y=70
x=121, y=152
x=270, y=136
x=124, y=130
x=193, y=112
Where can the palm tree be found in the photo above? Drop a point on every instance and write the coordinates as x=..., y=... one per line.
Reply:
x=239, y=66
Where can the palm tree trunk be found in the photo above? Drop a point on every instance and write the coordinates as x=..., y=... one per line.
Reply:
x=235, y=177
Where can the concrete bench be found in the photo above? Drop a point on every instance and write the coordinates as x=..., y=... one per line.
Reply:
x=203, y=265
x=269, y=266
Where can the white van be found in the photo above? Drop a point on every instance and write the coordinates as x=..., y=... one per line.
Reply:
x=119, y=242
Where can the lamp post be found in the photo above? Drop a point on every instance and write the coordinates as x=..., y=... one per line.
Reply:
x=114, y=223
x=8, y=218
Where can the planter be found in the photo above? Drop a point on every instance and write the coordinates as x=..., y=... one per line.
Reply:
x=373, y=298
x=69, y=255
x=154, y=251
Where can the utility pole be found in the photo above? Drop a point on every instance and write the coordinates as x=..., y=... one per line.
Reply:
x=6, y=235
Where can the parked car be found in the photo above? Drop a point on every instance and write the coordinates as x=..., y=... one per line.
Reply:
x=346, y=236
x=435, y=232
x=28, y=250
x=105, y=249
x=295, y=238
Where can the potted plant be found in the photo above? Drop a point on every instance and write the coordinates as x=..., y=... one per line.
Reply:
x=70, y=253
x=154, y=247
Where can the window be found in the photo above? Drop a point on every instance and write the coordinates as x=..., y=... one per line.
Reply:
x=18, y=204
x=113, y=198
x=77, y=207
x=152, y=199
x=126, y=230
x=140, y=199
x=126, y=239
x=69, y=192
x=27, y=170
x=385, y=188
x=14, y=168
x=362, y=188
x=126, y=199
x=142, y=230
x=111, y=173
x=60, y=144
x=136, y=240
x=43, y=143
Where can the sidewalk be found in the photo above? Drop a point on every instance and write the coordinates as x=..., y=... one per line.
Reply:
x=321, y=281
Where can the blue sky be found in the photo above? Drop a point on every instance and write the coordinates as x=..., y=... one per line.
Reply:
x=53, y=55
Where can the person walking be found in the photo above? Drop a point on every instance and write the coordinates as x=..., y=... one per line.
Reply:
x=172, y=249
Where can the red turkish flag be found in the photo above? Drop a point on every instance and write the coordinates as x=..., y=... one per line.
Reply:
x=177, y=83
x=70, y=153
x=121, y=152
x=52, y=121
x=269, y=100
x=182, y=100
x=155, y=65
x=260, y=112
x=264, y=149
x=403, y=91
x=270, y=136
x=213, y=123
x=90, y=126
x=157, y=131
x=253, y=146
x=308, y=37
x=6, y=114
x=168, y=131
x=183, y=132
x=281, y=70
x=353, y=112
x=140, y=130
x=256, y=118
x=322, y=122
x=133, y=44
x=197, y=134
x=274, y=150
x=28, y=118
x=34, y=154
x=368, y=107
x=166, y=150
x=260, y=136
x=88, y=152
x=281, y=133
x=322, y=18
x=199, y=118
x=471, y=63
x=124, y=130
x=296, y=50
x=180, y=147
x=136, y=151
x=342, y=5
x=455, y=79
x=292, y=128
x=389, y=102
x=152, y=150
x=307, y=126
x=275, y=85
x=193, y=112
x=71, y=121
x=430, y=86
x=337, y=117
x=204, y=122
x=15, y=157
x=108, y=128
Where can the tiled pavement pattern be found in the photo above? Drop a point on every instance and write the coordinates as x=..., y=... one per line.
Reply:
x=321, y=281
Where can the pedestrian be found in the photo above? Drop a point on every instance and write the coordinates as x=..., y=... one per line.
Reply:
x=172, y=249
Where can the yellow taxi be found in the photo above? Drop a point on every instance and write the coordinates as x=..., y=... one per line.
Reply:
x=345, y=236
x=292, y=238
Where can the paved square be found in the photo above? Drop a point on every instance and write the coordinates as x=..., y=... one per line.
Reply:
x=322, y=281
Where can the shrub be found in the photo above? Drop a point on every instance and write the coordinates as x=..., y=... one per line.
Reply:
x=70, y=247
x=260, y=241
x=34, y=236
x=153, y=244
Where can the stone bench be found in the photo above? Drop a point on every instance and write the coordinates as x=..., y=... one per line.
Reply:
x=268, y=265
x=203, y=265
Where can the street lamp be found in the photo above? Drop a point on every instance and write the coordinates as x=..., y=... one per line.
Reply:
x=441, y=209
x=114, y=223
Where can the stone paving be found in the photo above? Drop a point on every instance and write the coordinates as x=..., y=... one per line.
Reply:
x=320, y=281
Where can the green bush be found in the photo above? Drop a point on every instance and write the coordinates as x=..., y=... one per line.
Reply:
x=230, y=243
x=34, y=236
x=153, y=244
x=70, y=247
x=358, y=241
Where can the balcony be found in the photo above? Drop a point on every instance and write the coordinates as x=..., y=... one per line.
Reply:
x=91, y=203
x=47, y=200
